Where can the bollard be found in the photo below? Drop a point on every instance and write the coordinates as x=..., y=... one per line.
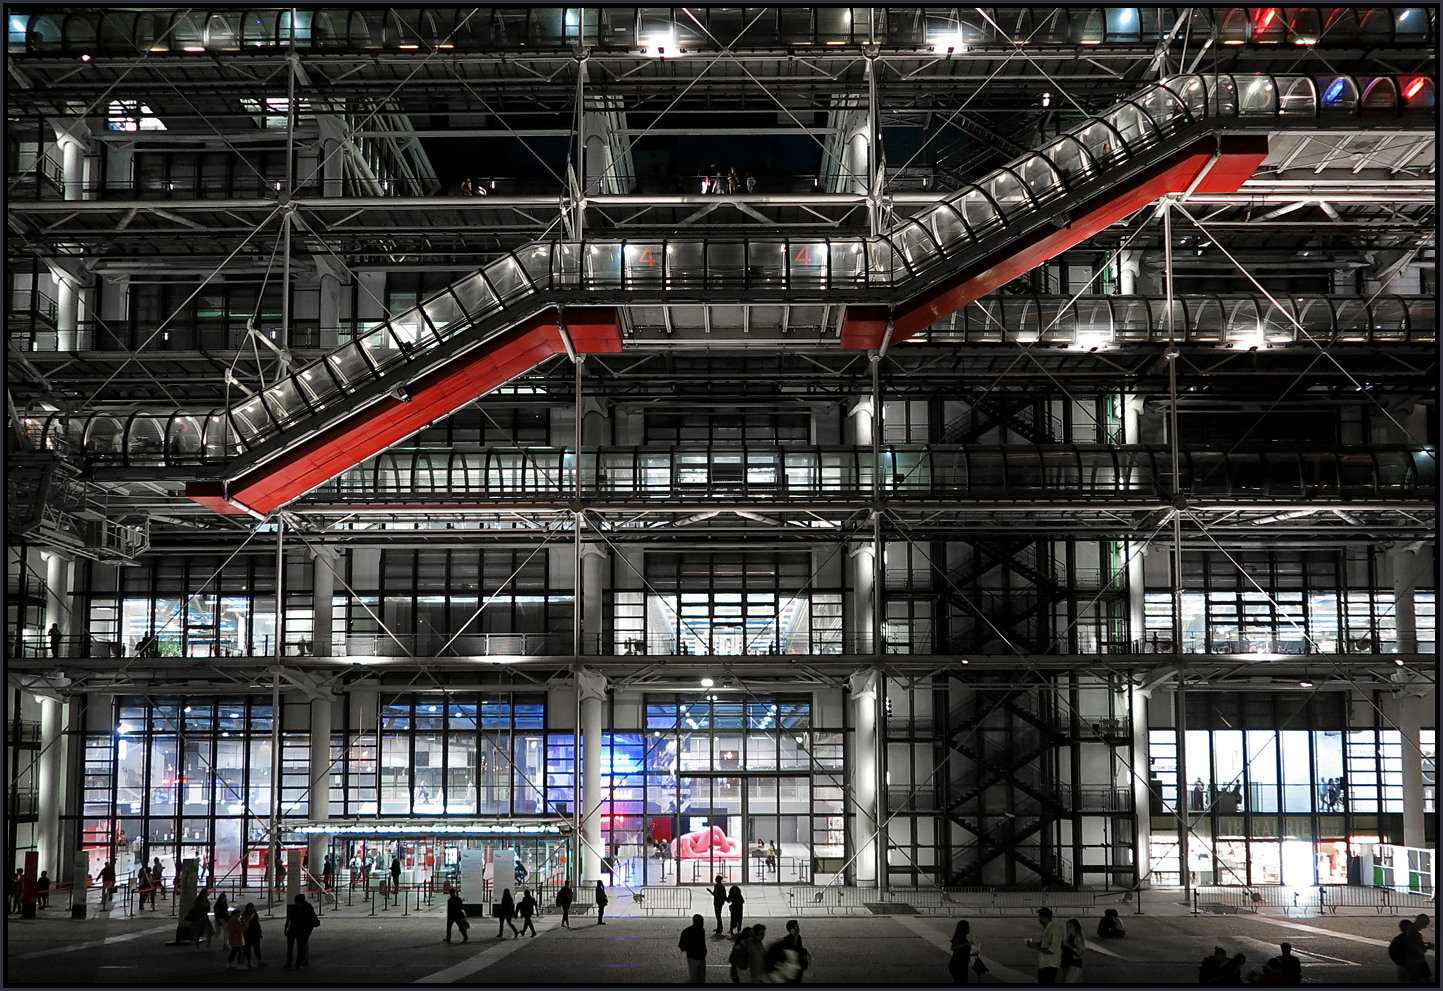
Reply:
x=406, y=905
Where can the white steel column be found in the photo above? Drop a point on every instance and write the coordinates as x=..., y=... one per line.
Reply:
x=864, y=688
x=57, y=588
x=51, y=784
x=1410, y=724
x=1403, y=560
x=592, y=689
x=323, y=593
x=67, y=312
x=318, y=792
x=593, y=577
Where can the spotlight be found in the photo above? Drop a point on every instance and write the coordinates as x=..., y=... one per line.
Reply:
x=1305, y=684
x=707, y=683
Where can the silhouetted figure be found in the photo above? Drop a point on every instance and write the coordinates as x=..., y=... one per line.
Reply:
x=693, y=944
x=601, y=901
x=736, y=901
x=718, y=901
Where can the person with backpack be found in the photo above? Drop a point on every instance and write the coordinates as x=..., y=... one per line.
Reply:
x=693, y=944
x=564, y=898
x=526, y=910
x=1409, y=954
x=301, y=921
x=784, y=961
x=740, y=957
x=793, y=940
x=601, y=901
x=456, y=916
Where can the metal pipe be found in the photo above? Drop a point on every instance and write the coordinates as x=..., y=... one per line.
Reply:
x=273, y=862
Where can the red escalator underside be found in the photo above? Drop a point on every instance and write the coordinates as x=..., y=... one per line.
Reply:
x=864, y=327
x=375, y=428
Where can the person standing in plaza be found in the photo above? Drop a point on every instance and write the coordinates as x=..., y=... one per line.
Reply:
x=736, y=901
x=42, y=891
x=200, y=926
x=1049, y=948
x=718, y=901
x=963, y=950
x=222, y=917
x=235, y=938
x=505, y=912
x=693, y=944
x=526, y=910
x=157, y=877
x=757, y=956
x=456, y=916
x=253, y=933
x=1420, y=925
x=143, y=887
x=395, y=874
x=107, y=886
x=1073, y=945
x=300, y=922
x=1291, y=965
x=601, y=903
x=564, y=898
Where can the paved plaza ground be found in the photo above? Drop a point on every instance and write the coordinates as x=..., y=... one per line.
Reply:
x=355, y=948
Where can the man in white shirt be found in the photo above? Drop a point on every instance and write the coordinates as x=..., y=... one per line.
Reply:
x=1049, y=948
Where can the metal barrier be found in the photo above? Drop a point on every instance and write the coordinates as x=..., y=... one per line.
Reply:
x=1336, y=896
x=664, y=899
x=1027, y=902
x=829, y=898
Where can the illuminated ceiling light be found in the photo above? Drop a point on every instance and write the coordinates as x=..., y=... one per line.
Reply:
x=1334, y=91
x=1413, y=88
x=1305, y=684
x=707, y=683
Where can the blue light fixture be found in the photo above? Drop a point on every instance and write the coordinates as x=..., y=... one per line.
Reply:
x=1334, y=91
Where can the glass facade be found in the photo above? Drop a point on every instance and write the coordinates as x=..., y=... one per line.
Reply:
x=1294, y=805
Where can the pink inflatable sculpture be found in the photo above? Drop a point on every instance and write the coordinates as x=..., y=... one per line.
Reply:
x=706, y=844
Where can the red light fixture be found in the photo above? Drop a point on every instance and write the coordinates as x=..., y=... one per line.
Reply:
x=1414, y=88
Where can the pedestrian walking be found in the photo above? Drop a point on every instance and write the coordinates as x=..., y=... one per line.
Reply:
x=301, y=921
x=526, y=910
x=784, y=958
x=963, y=950
x=107, y=885
x=456, y=916
x=793, y=939
x=1409, y=952
x=718, y=901
x=328, y=872
x=1049, y=947
x=1073, y=945
x=564, y=898
x=395, y=874
x=740, y=958
x=465, y=187
x=42, y=891
x=157, y=875
x=705, y=184
x=200, y=925
x=1420, y=924
x=253, y=933
x=693, y=944
x=505, y=912
x=1291, y=965
x=736, y=901
x=601, y=901
x=751, y=183
x=54, y=639
x=772, y=858
x=757, y=956
x=235, y=933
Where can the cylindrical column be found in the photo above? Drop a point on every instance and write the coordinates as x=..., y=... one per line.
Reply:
x=1410, y=724
x=318, y=793
x=72, y=165
x=592, y=688
x=593, y=577
x=1129, y=266
x=57, y=588
x=330, y=309
x=323, y=593
x=1405, y=580
x=51, y=775
x=67, y=314
x=864, y=687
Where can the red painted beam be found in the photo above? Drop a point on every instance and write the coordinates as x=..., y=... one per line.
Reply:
x=863, y=327
x=370, y=431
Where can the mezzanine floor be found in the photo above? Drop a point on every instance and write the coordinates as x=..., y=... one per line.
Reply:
x=354, y=948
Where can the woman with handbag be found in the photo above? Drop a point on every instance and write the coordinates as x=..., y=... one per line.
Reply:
x=966, y=955
x=1073, y=944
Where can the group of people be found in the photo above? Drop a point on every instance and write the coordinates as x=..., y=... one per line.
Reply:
x=1060, y=950
x=720, y=898
x=1332, y=794
x=473, y=188
x=751, y=960
x=240, y=930
x=716, y=182
x=1219, y=968
x=508, y=909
